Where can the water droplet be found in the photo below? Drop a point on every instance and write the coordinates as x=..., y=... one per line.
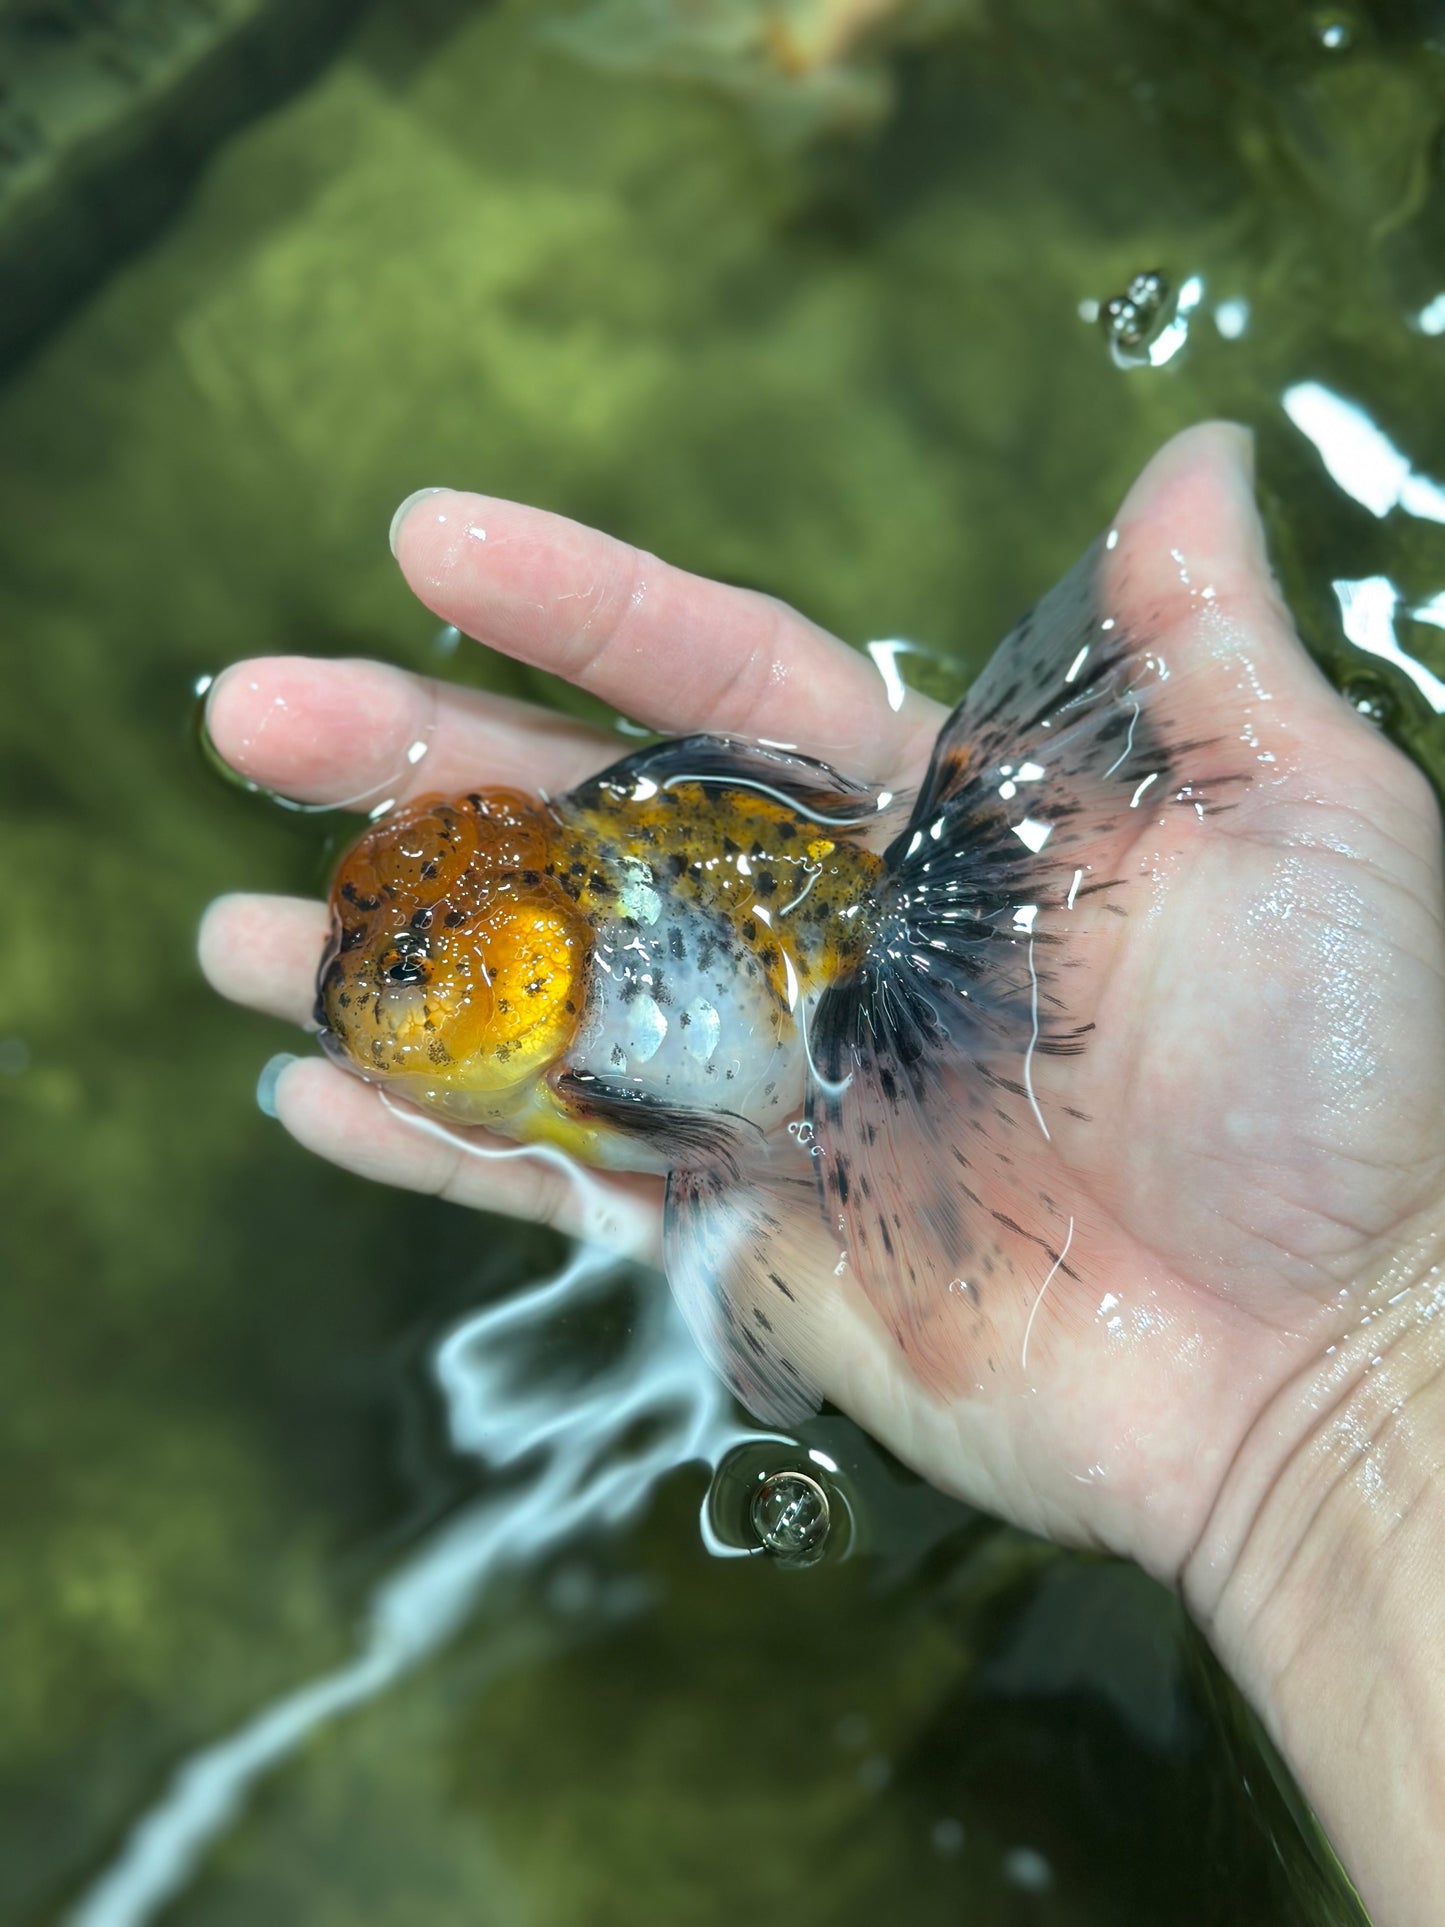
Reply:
x=1369, y=698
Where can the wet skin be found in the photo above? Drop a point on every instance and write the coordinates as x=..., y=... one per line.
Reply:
x=1264, y=1088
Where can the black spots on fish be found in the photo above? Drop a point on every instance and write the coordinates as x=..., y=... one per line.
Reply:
x=730, y=849
x=352, y=935
x=618, y=1058
x=762, y=1318
x=768, y=957
x=684, y=1019
x=774, y=1279
x=437, y=1051
x=885, y=1234
x=571, y=1007
x=676, y=943
x=750, y=930
x=838, y=1180
x=753, y=1343
x=422, y=919
x=888, y=1084
x=765, y=883
x=531, y=878
x=353, y=896
x=1067, y=1044
x=454, y=919
x=1081, y=1117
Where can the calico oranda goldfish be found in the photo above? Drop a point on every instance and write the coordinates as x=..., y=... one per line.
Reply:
x=726, y=962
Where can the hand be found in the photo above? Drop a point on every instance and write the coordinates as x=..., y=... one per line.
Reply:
x=1265, y=1083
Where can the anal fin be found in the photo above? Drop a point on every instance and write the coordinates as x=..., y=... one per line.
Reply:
x=753, y=1269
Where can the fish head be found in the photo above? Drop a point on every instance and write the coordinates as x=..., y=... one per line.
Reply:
x=456, y=963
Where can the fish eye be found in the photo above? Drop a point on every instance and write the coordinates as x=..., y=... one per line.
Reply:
x=404, y=961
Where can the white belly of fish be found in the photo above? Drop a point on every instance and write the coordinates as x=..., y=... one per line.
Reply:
x=681, y=1011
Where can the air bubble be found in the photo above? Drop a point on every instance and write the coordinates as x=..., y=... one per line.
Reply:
x=790, y=1516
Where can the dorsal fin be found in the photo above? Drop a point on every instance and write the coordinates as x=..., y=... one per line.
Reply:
x=812, y=788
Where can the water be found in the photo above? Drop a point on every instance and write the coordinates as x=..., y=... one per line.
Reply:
x=833, y=331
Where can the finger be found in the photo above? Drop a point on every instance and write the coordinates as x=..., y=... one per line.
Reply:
x=350, y=1124
x=357, y=733
x=1190, y=572
x=676, y=651
x=263, y=952
x=1191, y=569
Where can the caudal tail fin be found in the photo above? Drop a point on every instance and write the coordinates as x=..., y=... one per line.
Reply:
x=936, y=1150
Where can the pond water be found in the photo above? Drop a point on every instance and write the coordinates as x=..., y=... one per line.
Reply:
x=354, y=1571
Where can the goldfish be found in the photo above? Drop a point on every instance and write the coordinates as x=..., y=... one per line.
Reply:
x=813, y=1006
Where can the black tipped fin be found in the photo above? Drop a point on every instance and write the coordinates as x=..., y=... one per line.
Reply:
x=938, y=1164
x=732, y=762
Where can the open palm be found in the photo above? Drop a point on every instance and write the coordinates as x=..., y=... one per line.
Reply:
x=1250, y=1146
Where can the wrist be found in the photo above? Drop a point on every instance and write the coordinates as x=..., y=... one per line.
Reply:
x=1320, y=1582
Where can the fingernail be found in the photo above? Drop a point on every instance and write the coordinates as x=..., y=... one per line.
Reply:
x=271, y=1074
x=394, y=533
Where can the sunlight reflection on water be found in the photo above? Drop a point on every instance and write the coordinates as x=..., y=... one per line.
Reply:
x=499, y=1411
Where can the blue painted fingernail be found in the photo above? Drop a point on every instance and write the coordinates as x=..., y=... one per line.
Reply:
x=272, y=1072
x=394, y=533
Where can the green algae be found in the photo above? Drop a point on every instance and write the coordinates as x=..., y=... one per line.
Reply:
x=846, y=364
